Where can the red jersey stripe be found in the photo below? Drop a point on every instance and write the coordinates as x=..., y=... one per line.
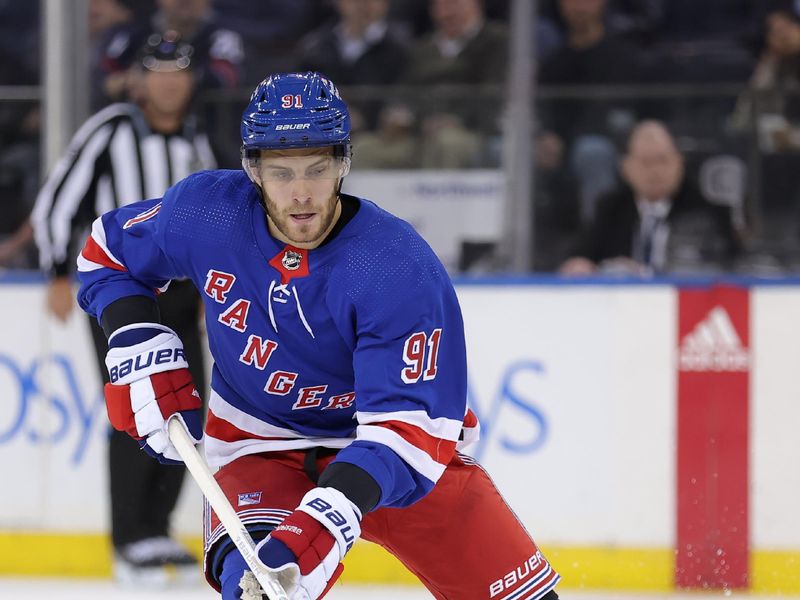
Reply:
x=92, y=251
x=226, y=431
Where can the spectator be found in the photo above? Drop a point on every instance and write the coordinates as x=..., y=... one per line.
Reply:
x=464, y=49
x=394, y=145
x=124, y=154
x=776, y=82
x=768, y=113
x=657, y=221
x=361, y=48
x=587, y=126
x=218, y=52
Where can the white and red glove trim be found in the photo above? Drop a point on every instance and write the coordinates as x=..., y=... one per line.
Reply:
x=151, y=383
x=318, y=534
x=128, y=362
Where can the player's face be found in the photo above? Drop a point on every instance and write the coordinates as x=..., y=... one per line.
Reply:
x=300, y=194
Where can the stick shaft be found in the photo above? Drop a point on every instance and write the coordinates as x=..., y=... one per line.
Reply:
x=219, y=502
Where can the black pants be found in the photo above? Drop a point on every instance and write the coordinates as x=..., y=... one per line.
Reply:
x=143, y=491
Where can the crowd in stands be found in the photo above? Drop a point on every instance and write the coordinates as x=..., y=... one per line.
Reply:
x=714, y=81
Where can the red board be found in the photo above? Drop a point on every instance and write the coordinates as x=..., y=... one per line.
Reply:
x=712, y=462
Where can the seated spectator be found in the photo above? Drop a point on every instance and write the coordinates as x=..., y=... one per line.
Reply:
x=774, y=85
x=657, y=221
x=588, y=126
x=769, y=112
x=361, y=48
x=463, y=49
x=218, y=52
x=393, y=146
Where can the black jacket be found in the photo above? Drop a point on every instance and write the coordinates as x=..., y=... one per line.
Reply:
x=699, y=231
x=382, y=62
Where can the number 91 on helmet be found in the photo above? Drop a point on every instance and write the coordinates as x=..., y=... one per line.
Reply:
x=290, y=111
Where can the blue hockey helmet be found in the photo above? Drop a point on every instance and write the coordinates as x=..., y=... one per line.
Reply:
x=295, y=110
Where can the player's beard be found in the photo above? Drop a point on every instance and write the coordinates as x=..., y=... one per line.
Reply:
x=298, y=233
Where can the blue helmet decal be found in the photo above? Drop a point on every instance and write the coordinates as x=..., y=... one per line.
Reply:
x=295, y=110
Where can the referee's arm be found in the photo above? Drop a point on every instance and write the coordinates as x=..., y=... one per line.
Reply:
x=101, y=165
x=67, y=201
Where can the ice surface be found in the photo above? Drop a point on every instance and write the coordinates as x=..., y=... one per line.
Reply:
x=84, y=589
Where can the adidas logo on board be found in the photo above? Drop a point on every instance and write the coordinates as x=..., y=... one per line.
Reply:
x=713, y=345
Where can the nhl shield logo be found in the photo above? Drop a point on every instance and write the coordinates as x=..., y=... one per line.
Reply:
x=291, y=260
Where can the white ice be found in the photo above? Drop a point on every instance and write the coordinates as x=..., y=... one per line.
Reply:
x=84, y=589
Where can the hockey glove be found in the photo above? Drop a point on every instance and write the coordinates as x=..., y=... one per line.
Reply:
x=306, y=550
x=150, y=383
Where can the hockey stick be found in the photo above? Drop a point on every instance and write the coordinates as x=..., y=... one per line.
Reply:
x=219, y=502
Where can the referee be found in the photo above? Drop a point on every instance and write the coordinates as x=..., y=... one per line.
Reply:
x=125, y=153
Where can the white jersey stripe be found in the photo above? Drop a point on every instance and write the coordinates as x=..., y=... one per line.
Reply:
x=99, y=236
x=126, y=165
x=205, y=152
x=180, y=158
x=156, y=170
x=69, y=197
x=122, y=176
x=417, y=459
x=104, y=201
x=248, y=423
x=440, y=427
x=85, y=266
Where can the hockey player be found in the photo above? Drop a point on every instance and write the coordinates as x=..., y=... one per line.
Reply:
x=339, y=384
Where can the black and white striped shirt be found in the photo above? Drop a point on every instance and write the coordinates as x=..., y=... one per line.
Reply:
x=112, y=160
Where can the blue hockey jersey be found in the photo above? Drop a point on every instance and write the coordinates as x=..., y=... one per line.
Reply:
x=357, y=344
